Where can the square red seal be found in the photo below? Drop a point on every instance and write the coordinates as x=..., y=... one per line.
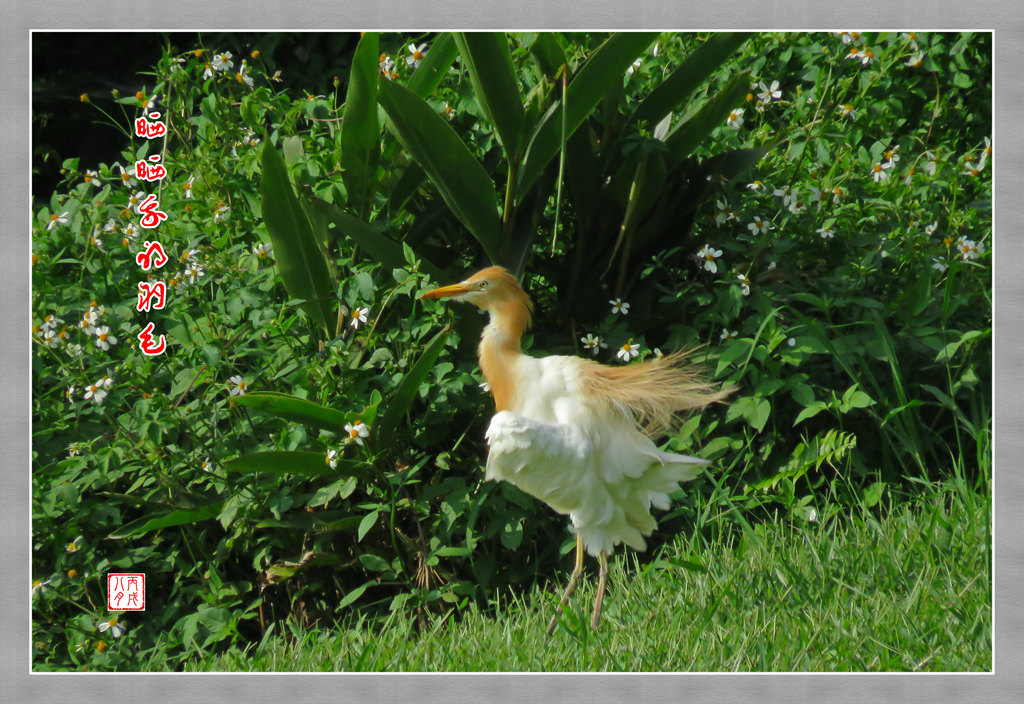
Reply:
x=126, y=592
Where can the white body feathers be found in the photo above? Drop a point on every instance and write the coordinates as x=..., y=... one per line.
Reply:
x=583, y=458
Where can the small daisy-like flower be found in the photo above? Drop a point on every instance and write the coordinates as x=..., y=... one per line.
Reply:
x=449, y=112
x=759, y=226
x=359, y=316
x=127, y=175
x=415, y=55
x=930, y=229
x=92, y=178
x=74, y=350
x=969, y=249
x=854, y=38
x=619, y=306
x=915, y=61
x=220, y=212
x=38, y=585
x=821, y=196
x=878, y=171
x=69, y=393
x=709, y=254
x=188, y=186
x=193, y=272
x=735, y=119
x=150, y=104
x=238, y=385
x=276, y=78
x=135, y=200
x=592, y=343
x=893, y=155
x=837, y=193
x=356, y=430
x=797, y=207
x=855, y=54
x=74, y=545
x=987, y=152
x=727, y=335
x=131, y=231
x=104, y=339
x=88, y=321
x=769, y=93
x=208, y=71
x=938, y=265
x=786, y=193
x=974, y=170
x=931, y=164
x=634, y=66
x=628, y=351
x=222, y=62
x=387, y=67
x=74, y=449
x=115, y=628
x=755, y=186
x=55, y=220
x=331, y=459
x=847, y=111
x=242, y=76
x=744, y=284
x=910, y=37
x=826, y=232
x=50, y=322
x=50, y=338
x=262, y=250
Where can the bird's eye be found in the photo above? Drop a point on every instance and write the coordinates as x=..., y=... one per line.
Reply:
x=483, y=285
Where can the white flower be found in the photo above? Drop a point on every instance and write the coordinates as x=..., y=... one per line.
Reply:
x=735, y=119
x=759, y=226
x=37, y=586
x=915, y=61
x=728, y=335
x=131, y=231
x=222, y=62
x=619, y=306
x=356, y=430
x=854, y=38
x=242, y=76
x=115, y=628
x=238, y=385
x=95, y=392
x=262, y=250
x=332, y=459
x=786, y=193
x=92, y=178
x=127, y=175
x=104, y=339
x=220, y=212
x=744, y=284
x=938, y=265
x=628, y=351
x=74, y=350
x=930, y=229
x=893, y=155
x=592, y=343
x=55, y=220
x=847, y=111
x=88, y=321
x=826, y=232
x=769, y=93
x=359, y=316
x=188, y=186
x=276, y=77
x=709, y=254
x=636, y=64
x=415, y=55
x=878, y=171
x=969, y=249
x=755, y=186
x=725, y=213
x=193, y=272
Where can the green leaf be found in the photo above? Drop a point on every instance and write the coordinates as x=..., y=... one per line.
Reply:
x=548, y=53
x=366, y=524
x=684, y=80
x=298, y=257
x=294, y=462
x=405, y=393
x=373, y=562
x=167, y=519
x=379, y=246
x=360, y=129
x=603, y=69
x=684, y=138
x=354, y=594
x=810, y=411
x=855, y=398
x=460, y=179
x=435, y=64
x=486, y=56
x=297, y=409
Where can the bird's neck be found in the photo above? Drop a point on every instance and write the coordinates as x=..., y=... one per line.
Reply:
x=500, y=352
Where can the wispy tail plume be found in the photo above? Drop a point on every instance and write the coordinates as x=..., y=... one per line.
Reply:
x=656, y=390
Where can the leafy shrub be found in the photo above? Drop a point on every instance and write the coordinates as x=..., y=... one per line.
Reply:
x=310, y=443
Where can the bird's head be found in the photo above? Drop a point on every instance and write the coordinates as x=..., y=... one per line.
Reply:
x=493, y=289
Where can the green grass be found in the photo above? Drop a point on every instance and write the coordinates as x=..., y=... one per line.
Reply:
x=909, y=591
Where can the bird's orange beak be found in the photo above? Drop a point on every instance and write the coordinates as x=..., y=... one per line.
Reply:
x=446, y=291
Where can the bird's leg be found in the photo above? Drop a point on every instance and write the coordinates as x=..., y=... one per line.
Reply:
x=576, y=572
x=602, y=581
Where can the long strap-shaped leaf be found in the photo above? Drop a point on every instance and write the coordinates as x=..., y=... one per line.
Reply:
x=299, y=410
x=698, y=66
x=605, y=66
x=360, y=129
x=403, y=397
x=458, y=176
x=299, y=259
x=683, y=139
x=435, y=65
x=487, y=58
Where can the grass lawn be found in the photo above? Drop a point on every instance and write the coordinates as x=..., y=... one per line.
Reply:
x=908, y=591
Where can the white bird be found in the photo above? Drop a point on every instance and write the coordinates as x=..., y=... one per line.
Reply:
x=577, y=434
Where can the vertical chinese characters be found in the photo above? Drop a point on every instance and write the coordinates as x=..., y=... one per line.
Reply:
x=152, y=295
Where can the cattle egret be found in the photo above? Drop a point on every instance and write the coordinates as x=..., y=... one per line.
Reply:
x=577, y=434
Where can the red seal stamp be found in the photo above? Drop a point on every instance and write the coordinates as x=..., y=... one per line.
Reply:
x=126, y=592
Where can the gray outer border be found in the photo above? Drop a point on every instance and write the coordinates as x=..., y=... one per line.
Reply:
x=1003, y=16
